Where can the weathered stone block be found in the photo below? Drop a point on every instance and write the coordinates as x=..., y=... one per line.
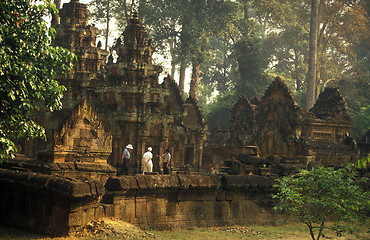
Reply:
x=141, y=182
x=245, y=182
x=83, y=205
x=121, y=183
x=184, y=181
x=222, y=209
x=205, y=182
x=99, y=212
x=234, y=195
x=141, y=208
x=156, y=210
x=186, y=195
x=221, y=195
x=58, y=223
x=76, y=218
x=161, y=181
x=108, y=210
x=126, y=210
x=174, y=181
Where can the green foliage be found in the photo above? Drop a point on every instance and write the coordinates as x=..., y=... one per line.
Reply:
x=188, y=24
x=220, y=73
x=361, y=122
x=252, y=64
x=28, y=65
x=105, y=10
x=320, y=195
x=218, y=112
x=363, y=162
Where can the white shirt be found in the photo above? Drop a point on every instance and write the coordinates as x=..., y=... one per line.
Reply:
x=147, y=157
x=166, y=157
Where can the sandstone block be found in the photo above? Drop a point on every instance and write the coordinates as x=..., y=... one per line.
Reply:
x=108, y=210
x=184, y=181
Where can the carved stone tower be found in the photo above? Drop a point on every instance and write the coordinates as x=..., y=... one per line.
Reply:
x=134, y=63
x=74, y=34
x=76, y=133
x=146, y=113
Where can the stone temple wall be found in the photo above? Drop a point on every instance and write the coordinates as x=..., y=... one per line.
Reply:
x=48, y=204
x=164, y=202
x=58, y=206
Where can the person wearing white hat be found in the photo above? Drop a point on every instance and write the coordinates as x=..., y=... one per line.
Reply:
x=147, y=161
x=125, y=159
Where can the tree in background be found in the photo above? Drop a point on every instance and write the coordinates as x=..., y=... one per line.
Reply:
x=103, y=11
x=361, y=122
x=354, y=83
x=28, y=65
x=187, y=28
x=239, y=64
x=311, y=81
x=218, y=111
x=204, y=34
x=253, y=80
x=320, y=195
x=342, y=26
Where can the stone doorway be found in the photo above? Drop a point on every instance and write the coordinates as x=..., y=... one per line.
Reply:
x=189, y=156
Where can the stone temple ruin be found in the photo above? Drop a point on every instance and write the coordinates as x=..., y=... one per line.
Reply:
x=58, y=186
x=108, y=106
x=274, y=135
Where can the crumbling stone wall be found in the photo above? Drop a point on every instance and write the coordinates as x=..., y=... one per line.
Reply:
x=48, y=204
x=75, y=170
x=164, y=202
x=58, y=206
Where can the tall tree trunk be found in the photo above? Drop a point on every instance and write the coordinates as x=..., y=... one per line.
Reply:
x=182, y=76
x=312, y=60
x=173, y=68
x=172, y=50
x=245, y=9
x=55, y=18
x=194, y=80
x=107, y=33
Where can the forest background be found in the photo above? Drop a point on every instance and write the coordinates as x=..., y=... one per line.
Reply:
x=237, y=47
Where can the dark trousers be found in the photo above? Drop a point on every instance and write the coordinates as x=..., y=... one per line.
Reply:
x=122, y=168
x=166, y=168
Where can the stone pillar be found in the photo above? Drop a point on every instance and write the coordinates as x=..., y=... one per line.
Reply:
x=141, y=153
x=116, y=151
x=201, y=143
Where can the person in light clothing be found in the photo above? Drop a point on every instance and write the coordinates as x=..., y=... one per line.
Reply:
x=147, y=161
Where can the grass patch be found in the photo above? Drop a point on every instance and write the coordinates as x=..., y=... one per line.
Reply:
x=295, y=231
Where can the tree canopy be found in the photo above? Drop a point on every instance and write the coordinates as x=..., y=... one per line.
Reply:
x=320, y=195
x=28, y=66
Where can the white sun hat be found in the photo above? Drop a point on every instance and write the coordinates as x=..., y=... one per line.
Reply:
x=129, y=146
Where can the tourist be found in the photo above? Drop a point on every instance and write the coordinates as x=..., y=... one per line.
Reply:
x=213, y=171
x=125, y=159
x=166, y=162
x=147, y=161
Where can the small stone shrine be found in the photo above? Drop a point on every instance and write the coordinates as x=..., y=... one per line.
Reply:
x=276, y=128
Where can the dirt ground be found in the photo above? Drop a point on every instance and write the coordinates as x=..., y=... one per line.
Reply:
x=116, y=229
